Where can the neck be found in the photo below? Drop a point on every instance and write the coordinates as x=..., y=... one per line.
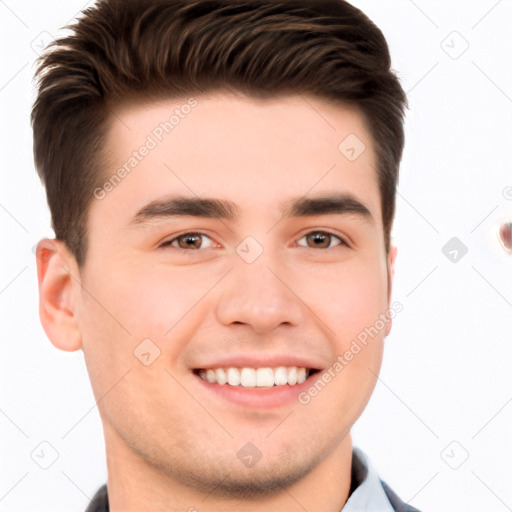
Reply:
x=135, y=486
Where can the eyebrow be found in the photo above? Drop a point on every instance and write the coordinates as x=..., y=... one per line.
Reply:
x=172, y=206
x=337, y=204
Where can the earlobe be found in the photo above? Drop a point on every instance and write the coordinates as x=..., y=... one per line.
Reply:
x=57, y=294
x=391, y=274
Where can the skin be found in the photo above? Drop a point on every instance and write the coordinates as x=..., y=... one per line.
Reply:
x=171, y=444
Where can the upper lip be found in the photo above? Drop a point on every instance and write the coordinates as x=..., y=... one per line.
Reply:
x=259, y=361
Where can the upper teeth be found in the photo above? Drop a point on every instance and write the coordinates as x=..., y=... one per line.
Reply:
x=255, y=377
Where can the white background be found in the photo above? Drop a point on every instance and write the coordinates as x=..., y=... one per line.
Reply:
x=445, y=391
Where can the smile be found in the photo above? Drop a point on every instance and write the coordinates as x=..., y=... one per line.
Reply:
x=255, y=377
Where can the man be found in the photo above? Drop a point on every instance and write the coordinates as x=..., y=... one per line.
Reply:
x=221, y=177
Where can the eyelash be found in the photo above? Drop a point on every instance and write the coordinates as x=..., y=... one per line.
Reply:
x=168, y=243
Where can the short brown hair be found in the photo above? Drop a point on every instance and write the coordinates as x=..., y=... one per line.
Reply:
x=139, y=50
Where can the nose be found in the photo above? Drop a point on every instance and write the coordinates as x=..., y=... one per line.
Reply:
x=261, y=296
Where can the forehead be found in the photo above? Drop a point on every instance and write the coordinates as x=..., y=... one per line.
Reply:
x=254, y=152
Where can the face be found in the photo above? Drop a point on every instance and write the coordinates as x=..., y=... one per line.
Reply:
x=243, y=244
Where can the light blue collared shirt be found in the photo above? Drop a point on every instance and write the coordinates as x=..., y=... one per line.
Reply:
x=369, y=496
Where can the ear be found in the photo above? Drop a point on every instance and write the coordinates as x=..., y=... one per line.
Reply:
x=391, y=275
x=58, y=277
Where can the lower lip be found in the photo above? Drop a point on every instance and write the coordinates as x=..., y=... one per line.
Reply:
x=263, y=398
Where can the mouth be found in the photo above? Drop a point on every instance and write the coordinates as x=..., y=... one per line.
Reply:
x=264, y=377
x=254, y=381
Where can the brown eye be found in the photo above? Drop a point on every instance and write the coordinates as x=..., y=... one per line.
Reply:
x=321, y=240
x=189, y=241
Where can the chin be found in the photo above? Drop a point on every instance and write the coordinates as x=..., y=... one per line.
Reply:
x=262, y=481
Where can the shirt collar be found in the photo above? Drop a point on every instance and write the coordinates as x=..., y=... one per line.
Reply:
x=369, y=494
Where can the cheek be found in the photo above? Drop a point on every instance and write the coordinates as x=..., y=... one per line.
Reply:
x=350, y=304
x=116, y=323
x=150, y=301
x=139, y=302
x=348, y=298
x=354, y=300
